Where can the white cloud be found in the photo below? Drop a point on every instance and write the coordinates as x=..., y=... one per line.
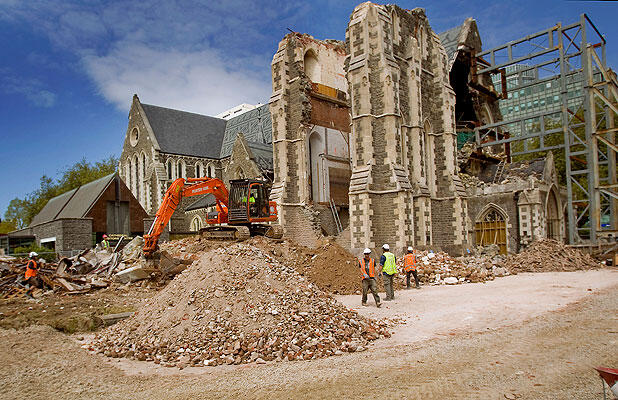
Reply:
x=197, y=81
x=200, y=56
x=32, y=89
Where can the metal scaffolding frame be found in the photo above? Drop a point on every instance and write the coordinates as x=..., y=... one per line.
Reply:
x=583, y=126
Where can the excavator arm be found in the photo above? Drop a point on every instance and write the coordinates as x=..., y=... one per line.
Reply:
x=183, y=188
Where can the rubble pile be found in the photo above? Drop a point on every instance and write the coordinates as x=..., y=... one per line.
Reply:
x=329, y=266
x=550, y=255
x=74, y=275
x=440, y=268
x=471, y=181
x=91, y=269
x=237, y=305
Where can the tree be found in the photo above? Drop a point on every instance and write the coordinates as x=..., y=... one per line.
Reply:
x=16, y=213
x=7, y=226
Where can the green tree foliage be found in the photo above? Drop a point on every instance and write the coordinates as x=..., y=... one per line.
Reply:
x=20, y=212
x=48, y=255
x=7, y=226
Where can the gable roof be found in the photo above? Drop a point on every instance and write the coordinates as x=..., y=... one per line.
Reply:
x=75, y=203
x=262, y=155
x=255, y=125
x=185, y=133
x=450, y=41
x=464, y=36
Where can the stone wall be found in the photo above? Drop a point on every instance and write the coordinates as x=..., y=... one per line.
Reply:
x=72, y=234
x=300, y=65
x=403, y=141
x=144, y=168
x=507, y=204
x=240, y=164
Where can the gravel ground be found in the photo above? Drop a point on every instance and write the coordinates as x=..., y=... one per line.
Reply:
x=547, y=356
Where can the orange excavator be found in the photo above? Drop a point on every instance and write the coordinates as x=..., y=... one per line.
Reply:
x=241, y=212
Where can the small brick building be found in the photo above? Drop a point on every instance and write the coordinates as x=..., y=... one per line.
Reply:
x=77, y=219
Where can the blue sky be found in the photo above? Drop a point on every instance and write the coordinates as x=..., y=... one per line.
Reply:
x=69, y=68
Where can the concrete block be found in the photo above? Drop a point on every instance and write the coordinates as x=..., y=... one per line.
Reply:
x=134, y=274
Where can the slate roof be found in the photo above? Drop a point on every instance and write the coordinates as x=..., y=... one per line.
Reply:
x=255, y=125
x=185, y=133
x=262, y=154
x=73, y=204
x=203, y=202
x=450, y=41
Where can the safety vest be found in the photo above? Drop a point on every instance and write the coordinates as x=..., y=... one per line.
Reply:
x=370, y=267
x=105, y=244
x=31, y=269
x=252, y=199
x=389, y=266
x=409, y=263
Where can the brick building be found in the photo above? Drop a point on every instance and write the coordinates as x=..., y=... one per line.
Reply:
x=77, y=219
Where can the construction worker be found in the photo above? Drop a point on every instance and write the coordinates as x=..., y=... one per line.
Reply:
x=252, y=206
x=388, y=268
x=409, y=266
x=368, y=277
x=32, y=270
x=105, y=243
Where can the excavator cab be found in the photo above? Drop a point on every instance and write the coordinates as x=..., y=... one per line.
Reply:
x=249, y=202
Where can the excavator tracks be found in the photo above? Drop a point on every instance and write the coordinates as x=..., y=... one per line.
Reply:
x=274, y=232
x=240, y=233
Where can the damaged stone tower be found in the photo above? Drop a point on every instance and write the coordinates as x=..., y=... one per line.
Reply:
x=404, y=187
x=311, y=125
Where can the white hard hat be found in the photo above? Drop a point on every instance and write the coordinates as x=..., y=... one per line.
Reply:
x=410, y=248
x=386, y=247
x=33, y=254
x=367, y=251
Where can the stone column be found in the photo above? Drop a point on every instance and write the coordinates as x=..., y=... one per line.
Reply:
x=380, y=191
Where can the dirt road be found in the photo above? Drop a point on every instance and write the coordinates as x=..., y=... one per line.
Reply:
x=541, y=343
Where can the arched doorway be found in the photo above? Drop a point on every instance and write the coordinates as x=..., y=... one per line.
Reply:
x=196, y=224
x=490, y=228
x=552, y=216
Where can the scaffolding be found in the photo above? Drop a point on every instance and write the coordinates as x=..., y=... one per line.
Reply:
x=581, y=123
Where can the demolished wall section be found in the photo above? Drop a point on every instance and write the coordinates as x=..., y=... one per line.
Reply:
x=293, y=118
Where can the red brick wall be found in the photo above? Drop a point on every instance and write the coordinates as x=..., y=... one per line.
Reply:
x=99, y=211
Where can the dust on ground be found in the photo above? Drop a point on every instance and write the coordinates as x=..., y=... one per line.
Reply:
x=548, y=356
x=74, y=313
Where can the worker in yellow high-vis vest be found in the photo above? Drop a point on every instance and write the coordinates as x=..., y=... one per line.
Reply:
x=389, y=269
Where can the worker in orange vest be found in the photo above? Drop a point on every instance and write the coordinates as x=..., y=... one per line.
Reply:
x=409, y=266
x=32, y=269
x=368, y=276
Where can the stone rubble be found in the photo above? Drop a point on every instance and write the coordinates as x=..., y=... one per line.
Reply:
x=237, y=305
x=550, y=255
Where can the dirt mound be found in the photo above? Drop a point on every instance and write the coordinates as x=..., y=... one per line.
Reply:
x=550, y=255
x=236, y=305
x=331, y=267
